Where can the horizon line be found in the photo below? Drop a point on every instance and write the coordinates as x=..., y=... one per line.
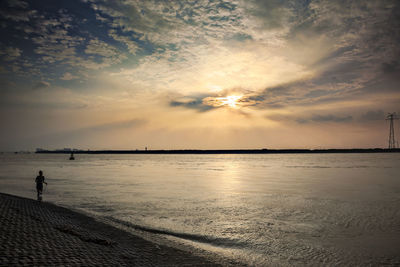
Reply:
x=218, y=151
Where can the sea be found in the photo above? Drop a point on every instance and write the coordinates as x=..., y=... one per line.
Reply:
x=250, y=209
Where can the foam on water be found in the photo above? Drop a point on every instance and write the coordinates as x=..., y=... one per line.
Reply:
x=304, y=209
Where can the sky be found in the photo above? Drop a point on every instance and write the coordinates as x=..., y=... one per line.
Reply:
x=206, y=74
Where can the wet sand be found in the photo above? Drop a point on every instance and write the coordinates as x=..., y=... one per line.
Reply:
x=34, y=233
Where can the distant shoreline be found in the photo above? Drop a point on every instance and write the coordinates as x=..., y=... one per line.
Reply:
x=225, y=151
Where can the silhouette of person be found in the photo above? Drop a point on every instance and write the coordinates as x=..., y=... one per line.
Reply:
x=39, y=185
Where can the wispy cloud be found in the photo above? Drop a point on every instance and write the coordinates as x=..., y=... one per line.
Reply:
x=10, y=53
x=194, y=102
x=41, y=85
x=373, y=115
x=326, y=118
x=68, y=76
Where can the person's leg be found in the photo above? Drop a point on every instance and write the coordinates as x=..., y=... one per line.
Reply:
x=39, y=192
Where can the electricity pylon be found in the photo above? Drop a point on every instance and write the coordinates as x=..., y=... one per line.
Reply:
x=391, y=117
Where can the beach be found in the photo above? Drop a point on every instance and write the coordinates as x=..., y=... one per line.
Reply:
x=36, y=233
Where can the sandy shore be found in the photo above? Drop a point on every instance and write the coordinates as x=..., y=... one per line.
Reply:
x=33, y=233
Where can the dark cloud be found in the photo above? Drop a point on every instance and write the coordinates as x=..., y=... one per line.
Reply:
x=16, y=12
x=346, y=80
x=239, y=37
x=318, y=93
x=272, y=14
x=365, y=35
x=272, y=97
x=315, y=118
x=47, y=38
x=17, y=3
x=366, y=117
x=299, y=93
x=41, y=85
x=195, y=103
x=134, y=17
x=330, y=118
x=373, y=115
x=390, y=67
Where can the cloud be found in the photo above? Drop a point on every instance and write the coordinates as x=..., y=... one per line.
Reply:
x=17, y=15
x=373, y=115
x=68, y=76
x=390, y=67
x=330, y=118
x=130, y=44
x=196, y=103
x=95, y=46
x=311, y=119
x=54, y=43
x=18, y=3
x=10, y=53
x=270, y=14
x=41, y=85
x=146, y=18
x=58, y=40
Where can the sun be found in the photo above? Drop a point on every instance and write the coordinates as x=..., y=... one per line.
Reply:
x=231, y=100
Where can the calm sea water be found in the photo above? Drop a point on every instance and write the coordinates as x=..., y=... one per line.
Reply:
x=322, y=209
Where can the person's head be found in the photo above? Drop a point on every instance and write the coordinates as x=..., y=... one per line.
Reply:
x=40, y=173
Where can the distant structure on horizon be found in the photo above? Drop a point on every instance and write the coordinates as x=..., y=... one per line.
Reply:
x=392, y=141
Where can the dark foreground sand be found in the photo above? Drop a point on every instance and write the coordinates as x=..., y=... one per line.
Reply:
x=33, y=233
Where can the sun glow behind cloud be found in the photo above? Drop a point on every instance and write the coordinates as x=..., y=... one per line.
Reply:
x=232, y=101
